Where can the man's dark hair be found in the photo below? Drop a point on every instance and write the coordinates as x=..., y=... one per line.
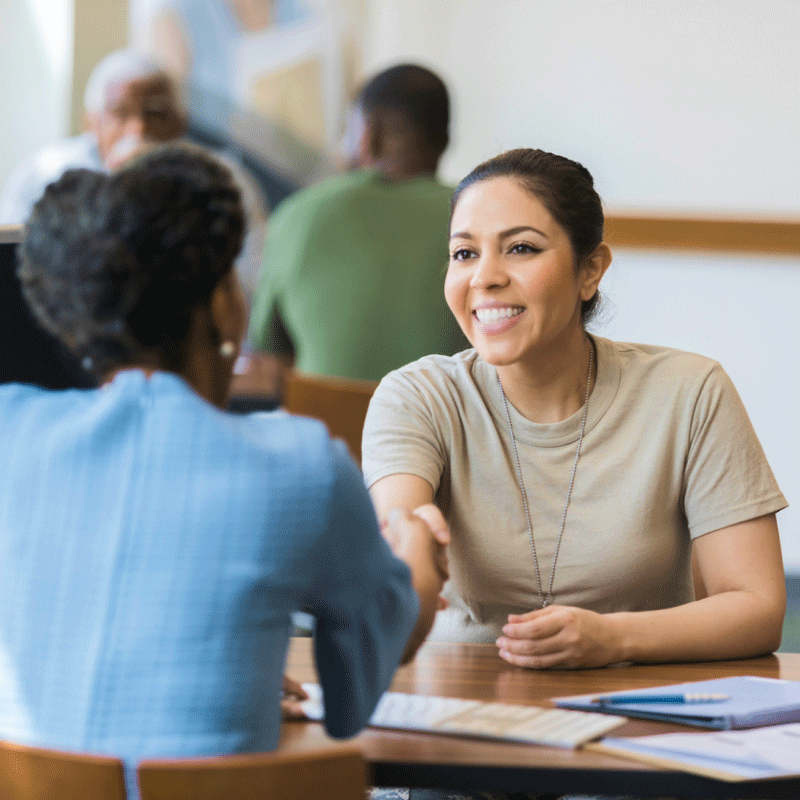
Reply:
x=114, y=266
x=417, y=93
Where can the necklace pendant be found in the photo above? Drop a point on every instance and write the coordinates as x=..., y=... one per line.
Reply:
x=545, y=601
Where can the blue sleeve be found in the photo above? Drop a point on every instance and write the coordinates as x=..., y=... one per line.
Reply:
x=363, y=601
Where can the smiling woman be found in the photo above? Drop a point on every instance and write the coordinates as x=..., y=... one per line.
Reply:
x=607, y=502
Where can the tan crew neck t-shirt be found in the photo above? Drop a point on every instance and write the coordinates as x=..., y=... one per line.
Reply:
x=668, y=455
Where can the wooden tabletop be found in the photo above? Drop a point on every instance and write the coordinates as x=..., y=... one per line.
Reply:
x=477, y=672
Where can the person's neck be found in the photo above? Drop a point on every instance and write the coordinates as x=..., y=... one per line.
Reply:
x=198, y=371
x=400, y=169
x=551, y=386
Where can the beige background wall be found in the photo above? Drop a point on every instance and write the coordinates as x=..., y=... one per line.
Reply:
x=100, y=26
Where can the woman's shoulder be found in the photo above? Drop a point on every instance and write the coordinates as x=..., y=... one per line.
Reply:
x=437, y=370
x=281, y=434
x=660, y=360
x=21, y=397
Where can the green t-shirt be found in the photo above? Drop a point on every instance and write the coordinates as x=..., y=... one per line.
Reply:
x=353, y=277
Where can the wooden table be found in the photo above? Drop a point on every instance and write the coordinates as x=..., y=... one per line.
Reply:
x=477, y=672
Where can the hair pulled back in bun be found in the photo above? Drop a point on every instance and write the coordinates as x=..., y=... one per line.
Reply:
x=115, y=265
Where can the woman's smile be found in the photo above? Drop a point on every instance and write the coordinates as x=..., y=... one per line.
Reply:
x=493, y=319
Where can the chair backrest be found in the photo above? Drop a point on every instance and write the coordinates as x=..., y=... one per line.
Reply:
x=28, y=353
x=336, y=773
x=32, y=773
x=340, y=403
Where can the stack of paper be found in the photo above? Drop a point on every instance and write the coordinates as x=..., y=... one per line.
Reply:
x=772, y=752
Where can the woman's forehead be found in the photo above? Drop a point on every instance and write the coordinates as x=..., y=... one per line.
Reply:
x=499, y=203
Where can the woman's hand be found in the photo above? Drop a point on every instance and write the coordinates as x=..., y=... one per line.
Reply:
x=559, y=636
x=409, y=540
x=420, y=538
x=293, y=694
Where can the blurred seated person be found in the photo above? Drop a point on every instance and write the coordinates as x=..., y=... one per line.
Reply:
x=351, y=284
x=128, y=100
x=130, y=103
x=155, y=546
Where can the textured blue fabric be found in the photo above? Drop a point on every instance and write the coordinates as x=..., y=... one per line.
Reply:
x=152, y=550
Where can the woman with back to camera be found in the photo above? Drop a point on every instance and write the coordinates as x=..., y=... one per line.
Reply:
x=154, y=546
x=607, y=502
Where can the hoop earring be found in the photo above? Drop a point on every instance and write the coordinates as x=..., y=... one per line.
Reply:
x=227, y=349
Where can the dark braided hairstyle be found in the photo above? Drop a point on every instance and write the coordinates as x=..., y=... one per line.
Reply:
x=115, y=265
x=564, y=187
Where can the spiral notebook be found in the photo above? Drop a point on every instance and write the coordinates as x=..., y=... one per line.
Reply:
x=752, y=702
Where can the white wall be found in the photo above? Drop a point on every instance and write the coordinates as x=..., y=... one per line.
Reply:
x=682, y=105
x=742, y=312
x=36, y=65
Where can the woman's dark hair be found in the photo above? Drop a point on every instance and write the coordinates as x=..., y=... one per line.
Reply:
x=564, y=187
x=115, y=265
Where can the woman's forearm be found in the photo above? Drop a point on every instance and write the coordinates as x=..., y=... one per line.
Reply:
x=428, y=584
x=734, y=624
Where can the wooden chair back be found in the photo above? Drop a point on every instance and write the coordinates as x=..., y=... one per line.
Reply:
x=340, y=403
x=337, y=773
x=32, y=773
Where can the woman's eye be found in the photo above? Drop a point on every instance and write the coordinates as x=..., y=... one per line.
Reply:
x=524, y=248
x=462, y=254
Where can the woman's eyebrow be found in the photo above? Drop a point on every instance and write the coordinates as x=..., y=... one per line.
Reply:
x=520, y=229
x=503, y=235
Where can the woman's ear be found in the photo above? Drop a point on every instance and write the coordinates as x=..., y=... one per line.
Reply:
x=228, y=310
x=594, y=267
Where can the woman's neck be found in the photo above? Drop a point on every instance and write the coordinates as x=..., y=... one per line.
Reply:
x=552, y=386
x=202, y=367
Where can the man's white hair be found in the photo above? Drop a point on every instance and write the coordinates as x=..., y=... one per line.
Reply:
x=121, y=66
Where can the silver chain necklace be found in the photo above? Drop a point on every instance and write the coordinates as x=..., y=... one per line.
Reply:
x=545, y=600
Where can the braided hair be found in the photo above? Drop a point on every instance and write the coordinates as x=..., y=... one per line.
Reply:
x=115, y=266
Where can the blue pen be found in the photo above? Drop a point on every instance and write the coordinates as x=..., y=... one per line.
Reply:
x=697, y=697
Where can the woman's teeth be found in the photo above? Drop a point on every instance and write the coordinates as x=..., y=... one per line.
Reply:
x=494, y=314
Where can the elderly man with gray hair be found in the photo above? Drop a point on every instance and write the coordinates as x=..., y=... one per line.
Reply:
x=128, y=101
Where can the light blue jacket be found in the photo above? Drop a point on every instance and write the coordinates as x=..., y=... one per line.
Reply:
x=152, y=550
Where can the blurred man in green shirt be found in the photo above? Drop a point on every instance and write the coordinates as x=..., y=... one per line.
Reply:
x=354, y=266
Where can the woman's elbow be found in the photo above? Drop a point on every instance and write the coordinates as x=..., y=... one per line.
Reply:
x=770, y=624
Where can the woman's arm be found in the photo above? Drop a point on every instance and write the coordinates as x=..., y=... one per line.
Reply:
x=739, y=567
x=396, y=497
x=419, y=538
x=400, y=491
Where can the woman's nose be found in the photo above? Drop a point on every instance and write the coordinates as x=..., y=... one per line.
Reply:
x=488, y=272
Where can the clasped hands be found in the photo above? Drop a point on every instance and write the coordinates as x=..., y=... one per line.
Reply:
x=420, y=537
x=562, y=637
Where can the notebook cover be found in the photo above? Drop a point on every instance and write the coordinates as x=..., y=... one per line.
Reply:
x=753, y=702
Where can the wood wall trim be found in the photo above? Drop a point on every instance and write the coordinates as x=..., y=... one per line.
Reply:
x=696, y=233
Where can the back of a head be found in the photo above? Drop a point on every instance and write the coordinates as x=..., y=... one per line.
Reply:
x=416, y=93
x=115, y=265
